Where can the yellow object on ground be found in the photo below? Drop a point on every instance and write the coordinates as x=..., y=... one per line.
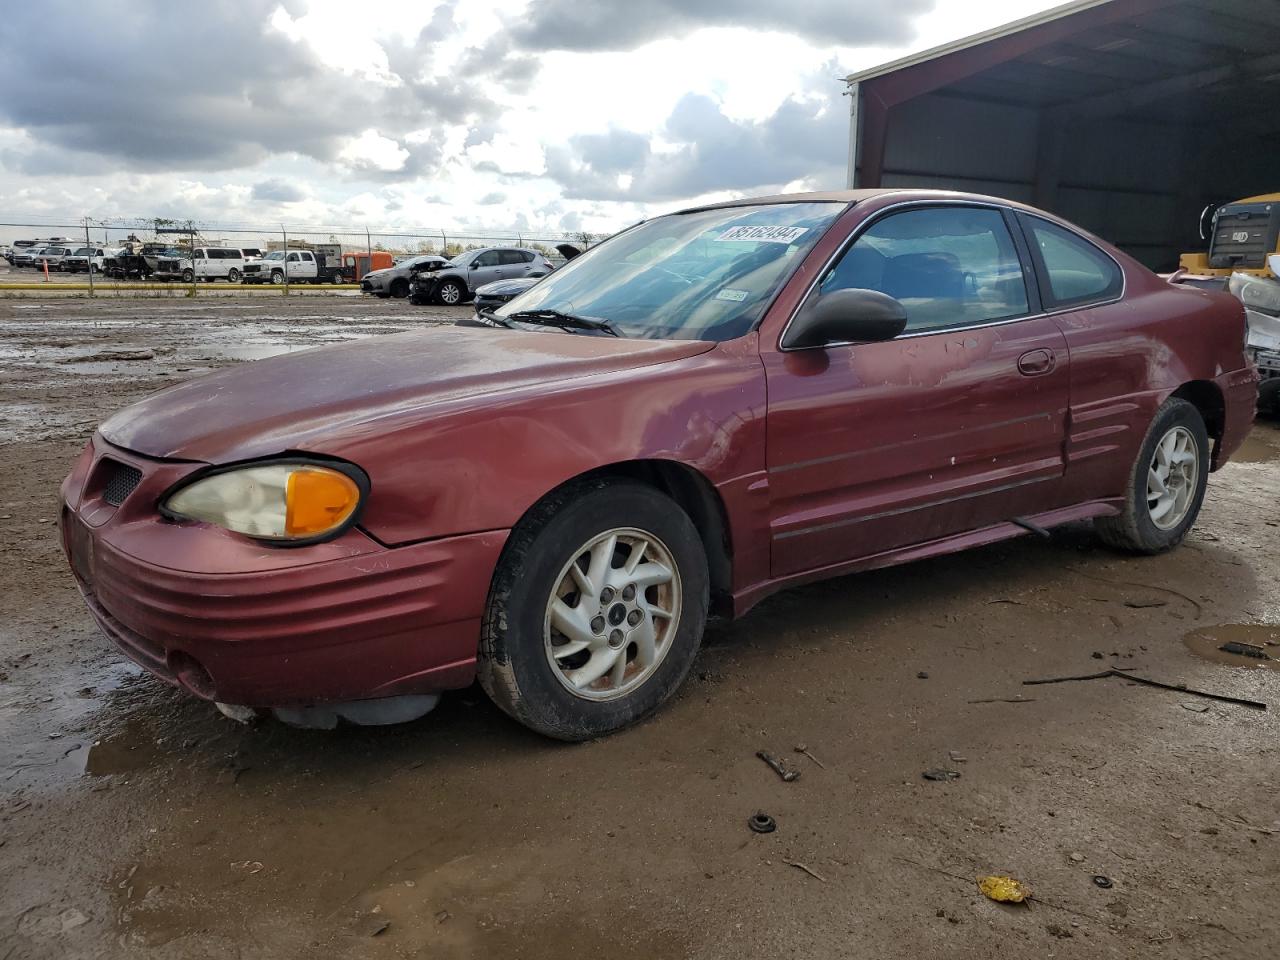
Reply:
x=1004, y=889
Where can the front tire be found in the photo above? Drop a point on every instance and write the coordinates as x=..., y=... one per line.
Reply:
x=188, y=276
x=233, y=275
x=451, y=293
x=596, y=611
x=399, y=288
x=277, y=278
x=1166, y=486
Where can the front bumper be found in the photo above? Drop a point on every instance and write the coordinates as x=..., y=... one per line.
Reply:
x=234, y=620
x=370, y=284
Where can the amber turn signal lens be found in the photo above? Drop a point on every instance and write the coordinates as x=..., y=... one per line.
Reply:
x=317, y=500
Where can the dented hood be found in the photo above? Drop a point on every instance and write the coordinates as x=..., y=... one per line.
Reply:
x=297, y=401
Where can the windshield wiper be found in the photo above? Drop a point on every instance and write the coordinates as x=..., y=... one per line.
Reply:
x=493, y=318
x=565, y=321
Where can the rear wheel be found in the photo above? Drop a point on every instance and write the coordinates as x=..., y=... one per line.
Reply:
x=1167, y=484
x=596, y=611
x=451, y=293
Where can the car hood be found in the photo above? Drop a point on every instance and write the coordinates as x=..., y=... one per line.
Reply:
x=503, y=288
x=298, y=401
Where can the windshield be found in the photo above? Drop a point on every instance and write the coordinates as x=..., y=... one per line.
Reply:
x=84, y=252
x=274, y=255
x=707, y=275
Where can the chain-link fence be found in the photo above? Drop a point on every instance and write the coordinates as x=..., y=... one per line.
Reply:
x=361, y=248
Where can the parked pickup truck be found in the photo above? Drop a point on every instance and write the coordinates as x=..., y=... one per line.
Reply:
x=323, y=265
x=86, y=260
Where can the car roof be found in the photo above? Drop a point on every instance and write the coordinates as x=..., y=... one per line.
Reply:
x=856, y=196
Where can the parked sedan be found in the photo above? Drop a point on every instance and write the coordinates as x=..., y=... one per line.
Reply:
x=394, y=281
x=706, y=408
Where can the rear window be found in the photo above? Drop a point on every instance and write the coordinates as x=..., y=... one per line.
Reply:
x=1077, y=271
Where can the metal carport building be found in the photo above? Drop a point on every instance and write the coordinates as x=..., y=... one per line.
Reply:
x=1125, y=116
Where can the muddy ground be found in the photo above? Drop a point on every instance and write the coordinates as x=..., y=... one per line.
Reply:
x=136, y=822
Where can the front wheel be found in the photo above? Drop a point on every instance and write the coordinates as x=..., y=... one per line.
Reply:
x=277, y=277
x=188, y=276
x=450, y=293
x=233, y=275
x=596, y=610
x=1167, y=484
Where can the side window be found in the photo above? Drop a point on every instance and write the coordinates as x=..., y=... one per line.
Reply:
x=293, y=258
x=306, y=257
x=949, y=266
x=1078, y=272
x=509, y=257
x=487, y=259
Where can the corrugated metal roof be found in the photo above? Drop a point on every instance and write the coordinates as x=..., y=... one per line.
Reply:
x=1035, y=20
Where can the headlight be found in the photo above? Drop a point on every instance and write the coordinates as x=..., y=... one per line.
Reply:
x=274, y=501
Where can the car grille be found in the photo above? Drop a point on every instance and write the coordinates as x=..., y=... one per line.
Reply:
x=251, y=268
x=122, y=480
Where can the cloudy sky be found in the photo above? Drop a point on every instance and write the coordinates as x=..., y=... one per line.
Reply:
x=562, y=115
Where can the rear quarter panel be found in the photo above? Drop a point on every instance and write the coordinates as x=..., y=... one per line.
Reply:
x=1128, y=357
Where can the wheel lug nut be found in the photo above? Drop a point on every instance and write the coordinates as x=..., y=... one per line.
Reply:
x=597, y=624
x=606, y=595
x=615, y=638
x=634, y=617
x=629, y=592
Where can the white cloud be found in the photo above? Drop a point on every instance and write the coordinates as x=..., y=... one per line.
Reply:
x=454, y=115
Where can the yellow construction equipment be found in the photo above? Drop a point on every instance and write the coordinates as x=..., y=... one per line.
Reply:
x=1245, y=238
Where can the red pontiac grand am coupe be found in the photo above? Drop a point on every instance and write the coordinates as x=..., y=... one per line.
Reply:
x=706, y=408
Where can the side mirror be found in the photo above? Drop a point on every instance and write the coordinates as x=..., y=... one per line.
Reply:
x=474, y=265
x=847, y=316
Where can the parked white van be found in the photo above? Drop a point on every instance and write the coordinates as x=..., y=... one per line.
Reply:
x=211, y=263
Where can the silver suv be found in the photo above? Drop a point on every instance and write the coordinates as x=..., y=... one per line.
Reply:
x=457, y=281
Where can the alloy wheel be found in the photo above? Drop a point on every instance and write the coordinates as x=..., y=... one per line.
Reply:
x=1172, y=477
x=612, y=614
x=450, y=294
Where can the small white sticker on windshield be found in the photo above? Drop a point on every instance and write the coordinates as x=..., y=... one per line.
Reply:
x=747, y=234
x=737, y=296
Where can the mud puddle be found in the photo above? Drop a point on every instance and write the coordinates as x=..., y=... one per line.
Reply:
x=1250, y=645
x=1261, y=446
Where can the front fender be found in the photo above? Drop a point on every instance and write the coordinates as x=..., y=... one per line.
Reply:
x=483, y=463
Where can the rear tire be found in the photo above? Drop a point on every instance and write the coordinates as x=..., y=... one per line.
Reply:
x=1166, y=485
x=525, y=665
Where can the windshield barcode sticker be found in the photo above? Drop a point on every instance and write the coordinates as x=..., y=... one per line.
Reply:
x=763, y=234
x=735, y=296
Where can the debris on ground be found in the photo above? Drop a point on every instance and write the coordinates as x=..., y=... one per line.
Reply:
x=1006, y=700
x=956, y=757
x=1245, y=650
x=1196, y=707
x=922, y=675
x=778, y=766
x=1179, y=688
x=807, y=869
x=1004, y=889
x=1104, y=882
x=801, y=748
x=1076, y=858
x=761, y=822
x=941, y=774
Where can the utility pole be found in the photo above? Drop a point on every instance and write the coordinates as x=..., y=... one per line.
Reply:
x=285, y=233
x=368, y=249
x=89, y=266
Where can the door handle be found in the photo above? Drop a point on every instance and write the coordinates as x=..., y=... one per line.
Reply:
x=1034, y=363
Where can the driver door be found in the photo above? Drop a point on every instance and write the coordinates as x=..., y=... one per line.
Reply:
x=956, y=424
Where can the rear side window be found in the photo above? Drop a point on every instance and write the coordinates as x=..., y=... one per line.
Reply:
x=1077, y=271
x=949, y=266
x=508, y=257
